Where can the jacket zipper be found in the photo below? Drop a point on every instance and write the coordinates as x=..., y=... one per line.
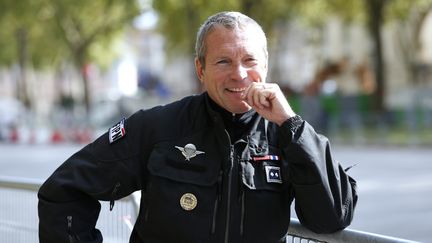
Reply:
x=113, y=195
x=242, y=202
x=242, y=196
x=217, y=201
x=227, y=223
x=72, y=236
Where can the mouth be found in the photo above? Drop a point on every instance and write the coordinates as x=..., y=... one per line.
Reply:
x=236, y=90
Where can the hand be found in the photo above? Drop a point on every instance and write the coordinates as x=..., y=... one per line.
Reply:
x=269, y=101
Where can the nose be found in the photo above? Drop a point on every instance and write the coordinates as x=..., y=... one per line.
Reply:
x=239, y=72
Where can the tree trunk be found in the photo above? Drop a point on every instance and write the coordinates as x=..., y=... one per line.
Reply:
x=85, y=80
x=375, y=10
x=83, y=68
x=192, y=20
x=21, y=89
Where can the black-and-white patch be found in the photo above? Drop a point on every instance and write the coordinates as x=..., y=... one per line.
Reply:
x=117, y=131
x=273, y=174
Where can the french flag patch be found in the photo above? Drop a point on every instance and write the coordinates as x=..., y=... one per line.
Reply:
x=266, y=157
x=117, y=131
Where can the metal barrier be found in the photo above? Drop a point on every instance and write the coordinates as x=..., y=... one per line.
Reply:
x=19, y=219
x=19, y=216
x=299, y=234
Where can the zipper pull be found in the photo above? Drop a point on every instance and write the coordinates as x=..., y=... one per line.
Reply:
x=219, y=184
x=113, y=195
x=69, y=221
x=72, y=237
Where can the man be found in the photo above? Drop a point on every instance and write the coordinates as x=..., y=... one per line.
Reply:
x=223, y=166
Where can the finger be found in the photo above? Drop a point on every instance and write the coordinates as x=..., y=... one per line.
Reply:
x=250, y=94
x=256, y=93
x=263, y=99
x=271, y=93
x=258, y=96
x=245, y=93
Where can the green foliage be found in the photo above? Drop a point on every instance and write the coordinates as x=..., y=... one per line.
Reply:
x=316, y=12
x=180, y=20
x=51, y=32
x=82, y=23
x=57, y=31
x=400, y=9
x=18, y=26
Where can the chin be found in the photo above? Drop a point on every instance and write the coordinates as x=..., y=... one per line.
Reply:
x=240, y=110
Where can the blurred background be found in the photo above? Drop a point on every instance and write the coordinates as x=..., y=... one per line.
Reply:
x=360, y=71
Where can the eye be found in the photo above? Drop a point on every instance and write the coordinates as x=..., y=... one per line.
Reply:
x=222, y=61
x=251, y=61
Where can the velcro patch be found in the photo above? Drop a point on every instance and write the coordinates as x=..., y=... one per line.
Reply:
x=273, y=174
x=117, y=131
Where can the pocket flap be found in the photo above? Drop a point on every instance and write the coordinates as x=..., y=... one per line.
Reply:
x=198, y=167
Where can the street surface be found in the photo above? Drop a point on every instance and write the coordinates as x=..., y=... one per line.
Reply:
x=394, y=183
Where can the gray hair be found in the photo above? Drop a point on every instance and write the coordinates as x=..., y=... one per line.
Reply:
x=229, y=20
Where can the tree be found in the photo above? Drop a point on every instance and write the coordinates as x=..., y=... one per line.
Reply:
x=81, y=24
x=410, y=17
x=379, y=11
x=50, y=32
x=375, y=10
x=18, y=29
x=374, y=13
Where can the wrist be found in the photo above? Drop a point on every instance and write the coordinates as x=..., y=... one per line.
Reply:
x=288, y=129
x=285, y=118
x=292, y=121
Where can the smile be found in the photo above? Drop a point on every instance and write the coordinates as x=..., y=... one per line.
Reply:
x=236, y=89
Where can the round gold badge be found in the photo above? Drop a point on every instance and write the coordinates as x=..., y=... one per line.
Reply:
x=188, y=201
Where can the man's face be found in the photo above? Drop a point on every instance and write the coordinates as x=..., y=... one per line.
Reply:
x=234, y=59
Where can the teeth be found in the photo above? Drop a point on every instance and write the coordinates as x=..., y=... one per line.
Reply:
x=237, y=89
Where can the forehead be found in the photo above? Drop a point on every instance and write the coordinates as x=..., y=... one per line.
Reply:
x=222, y=39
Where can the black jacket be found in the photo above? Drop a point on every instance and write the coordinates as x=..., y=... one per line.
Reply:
x=219, y=191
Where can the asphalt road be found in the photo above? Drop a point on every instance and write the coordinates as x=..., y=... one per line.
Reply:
x=394, y=183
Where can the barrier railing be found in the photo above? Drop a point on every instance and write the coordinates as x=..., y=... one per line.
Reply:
x=19, y=216
x=299, y=234
x=19, y=219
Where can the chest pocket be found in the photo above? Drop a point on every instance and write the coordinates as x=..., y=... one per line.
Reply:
x=265, y=187
x=181, y=192
x=197, y=167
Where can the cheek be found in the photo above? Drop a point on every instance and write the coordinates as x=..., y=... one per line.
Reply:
x=257, y=75
x=263, y=74
x=216, y=80
x=212, y=85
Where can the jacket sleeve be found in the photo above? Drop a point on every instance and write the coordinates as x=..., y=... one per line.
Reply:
x=68, y=200
x=325, y=196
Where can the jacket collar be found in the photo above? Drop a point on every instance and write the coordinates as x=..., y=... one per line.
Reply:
x=257, y=135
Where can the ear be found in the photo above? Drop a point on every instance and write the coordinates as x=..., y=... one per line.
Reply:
x=199, y=69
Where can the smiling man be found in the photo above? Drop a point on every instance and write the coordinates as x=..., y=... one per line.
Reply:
x=223, y=166
x=232, y=63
